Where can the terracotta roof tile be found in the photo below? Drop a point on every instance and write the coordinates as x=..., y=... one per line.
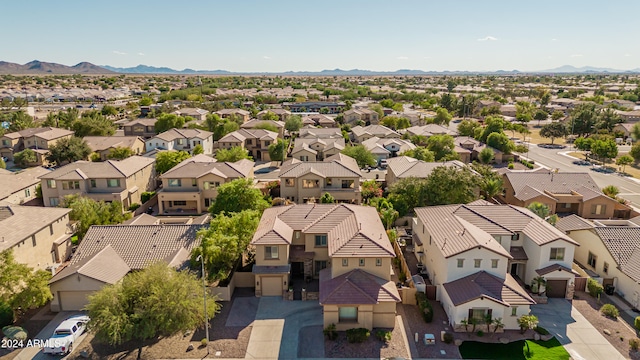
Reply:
x=482, y=284
x=355, y=287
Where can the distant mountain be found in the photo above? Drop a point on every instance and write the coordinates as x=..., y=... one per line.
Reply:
x=41, y=67
x=145, y=69
x=569, y=69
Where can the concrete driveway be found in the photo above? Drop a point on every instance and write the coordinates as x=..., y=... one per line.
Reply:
x=575, y=333
x=36, y=352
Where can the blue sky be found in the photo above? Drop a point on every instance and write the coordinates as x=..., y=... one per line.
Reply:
x=309, y=35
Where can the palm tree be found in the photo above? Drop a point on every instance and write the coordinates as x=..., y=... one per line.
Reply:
x=491, y=188
x=389, y=215
x=539, y=209
x=465, y=323
x=611, y=191
x=488, y=320
x=497, y=324
x=539, y=282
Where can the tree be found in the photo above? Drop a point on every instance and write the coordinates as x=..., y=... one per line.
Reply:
x=166, y=160
x=3, y=165
x=120, y=153
x=158, y=301
x=420, y=153
x=501, y=142
x=232, y=154
x=145, y=101
x=22, y=287
x=486, y=155
x=395, y=122
x=20, y=120
x=449, y=102
x=93, y=124
x=168, y=121
x=557, y=115
x=583, y=144
x=68, y=150
x=370, y=189
x=524, y=111
x=362, y=155
x=527, y=322
x=442, y=147
x=293, y=123
x=553, y=131
x=583, y=119
x=604, y=149
x=327, y=199
x=624, y=161
x=277, y=150
x=451, y=185
x=267, y=126
x=25, y=158
x=109, y=110
x=236, y=196
x=635, y=132
x=539, y=209
x=443, y=117
x=635, y=152
x=611, y=191
x=540, y=115
x=87, y=212
x=491, y=187
x=467, y=127
x=388, y=215
x=494, y=124
x=607, y=119
x=270, y=115
x=197, y=150
x=408, y=193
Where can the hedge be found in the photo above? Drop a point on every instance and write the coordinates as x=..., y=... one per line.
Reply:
x=425, y=307
x=358, y=335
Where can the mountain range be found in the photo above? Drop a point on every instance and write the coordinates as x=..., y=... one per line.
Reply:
x=39, y=67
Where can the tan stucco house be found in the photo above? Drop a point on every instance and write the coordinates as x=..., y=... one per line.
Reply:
x=103, y=145
x=145, y=128
x=316, y=149
x=181, y=139
x=38, y=139
x=20, y=187
x=359, y=133
x=403, y=167
x=255, y=141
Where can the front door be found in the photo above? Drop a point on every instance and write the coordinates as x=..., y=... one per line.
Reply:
x=514, y=270
x=297, y=268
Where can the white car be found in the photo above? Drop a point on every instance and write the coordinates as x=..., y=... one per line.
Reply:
x=65, y=335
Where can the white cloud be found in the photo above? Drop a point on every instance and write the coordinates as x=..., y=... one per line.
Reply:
x=554, y=39
x=141, y=54
x=119, y=52
x=576, y=55
x=627, y=55
x=402, y=58
x=486, y=38
x=266, y=57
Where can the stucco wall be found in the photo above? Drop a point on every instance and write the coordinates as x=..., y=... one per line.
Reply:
x=40, y=255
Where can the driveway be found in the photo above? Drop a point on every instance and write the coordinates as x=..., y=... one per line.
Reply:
x=36, y=352
x=575, y=333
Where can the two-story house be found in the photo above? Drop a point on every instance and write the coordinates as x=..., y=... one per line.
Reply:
x=200, y=115
x=38, y=139
x=321, y=133
x=315, y=107
x=338, y=175
x=122, y=180
x=368, y=116
x=181, y=139
x=192, y=185
x=563, y=193
x=37, y=236
x=256, y=124
x=475, y=253
x=144, y=128
x=469, y=149
x=387, y=148
x=403, y=167
x=316, y=149
x=344, y=246
x=283, y=114
x=103, y=145
x=20, y=187
x=360, y=134
x=244, y=115
x=255, y=141
x=430, y=130
x=320, y=120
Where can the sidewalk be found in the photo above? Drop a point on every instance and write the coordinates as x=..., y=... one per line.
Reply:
x=626, y=310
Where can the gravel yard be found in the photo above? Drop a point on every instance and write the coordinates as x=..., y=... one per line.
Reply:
x=372, y=348
x=417, y=325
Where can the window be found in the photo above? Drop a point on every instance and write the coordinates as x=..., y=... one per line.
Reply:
x=515, y=237
x=5, y=142
x=304, y=158
x=33, y=240
x=476, y=263
x=249, y=142
x=378, y=262
x=556, y=254
x=329, y=181
x=71, y=185
x=289, y=182
x=270, y=252
x=478, y=315
x=514, y=311
x=51, y=184
x=591, y=260
x=598, y=209
x=320, y=265
x=361, y=262
x=175, y=182
x=348, y=314
x=267, y=143
x=347, y=184
x=345, y=262
x=211, y=184
x=194, y=182
x=605, y=267
x=460, y=263
x=53, y=201
x=494, y=263
x=179, y=203
x=113, y=182
x=321, y=240
x=310, y=183
x=297, y=233
x=93, y=183
x=180, y=141
x=27, y=192
x=51, y=229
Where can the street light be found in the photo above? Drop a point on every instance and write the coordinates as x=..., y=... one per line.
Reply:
x=204, y=296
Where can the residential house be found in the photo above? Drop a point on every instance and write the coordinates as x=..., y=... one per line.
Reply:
x=387, y=148
x=481, y=104
x=630, y=116
x=316, y=149
x=610, y=250
x=39, y=237
x=144, y=128
x=181, y=139
x=563, y=193
x=255, y=141
x=403, y=167
x=146, y=219
x=368, y=116
x=429, y=130
x=624, y=128
x=318, y=120
x=315, y=107
x=508, y=110
x=192, y=186
x=244, y=115
x=122, y=180
x=621, y=103
x=338, y=175
x=108, y=253
x=283, y=114
x=469, y=149
x=103, y=145
x=344, y=246
x=37, y=139
x=199, y=115
x=475, y=254
x=21, y=186
x=359, y=133
x=312, y=132
x=255, y=123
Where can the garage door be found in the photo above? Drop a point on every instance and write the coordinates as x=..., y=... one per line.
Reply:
x=556, y=288
x=272, y=286
x=73, y=300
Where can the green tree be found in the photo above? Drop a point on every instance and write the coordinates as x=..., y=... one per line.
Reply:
x=408, y=193
x=611, y=191
x=22, y=287
x=120, y=153
x=158, y=301
x=501, y=142
x=420, y=153
x=197, y=150
x=451, y=185
x=553, y=131
x=25, y=158
x=486, y=155
x=3, y=165
x=362, y=155
x=604, y=149
x=443, y=117
x=20, y=120
x=467, y=127
x=87, y=212
x=388, y=216
x=608, y=118
x=68, y=150
x=145, y=101
x=635, y=132
x=370, y=189
x=232, y=154
x=109, y=110
x=238, y=195
x=557, y=115
x=327, y=198
x=635, y=152
x=624, y=161
x=277, y=150
x=540, y=115
x=449, y=102
x=539, y=209
x=493, y=124
x=267, y=126
x=583, y=144
x=583, y=119
x=491, y=187
x=93, y=124
x=524, y=111
x=166, y=160
x=293, y=123
x=490, y=110
x=442, y=146
x=168, y=121
x=270, y=115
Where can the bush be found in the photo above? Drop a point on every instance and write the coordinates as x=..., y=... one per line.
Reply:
x=357, y=335
x=610, y=310
x=447, y=338
x=541, y=330
x=635, y=344
x=146, y=196
x=636, y=323
x=330, y=332
x=594, y=288
x=384, y=335
x=480, y=333
x=134, y=207
x=510, y=166
x=6, y=314
x=204, y=342
x=425, y=307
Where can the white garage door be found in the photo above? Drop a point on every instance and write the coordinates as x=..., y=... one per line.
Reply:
x=272, y=286
x=73, y=300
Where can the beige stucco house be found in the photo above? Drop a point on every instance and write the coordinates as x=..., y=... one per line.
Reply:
x=181, y=139
x=283, y=114
x=20, y=187
x=123, y=180
x=316, y=149
x=344, y=246
x=360, y=134
x=38, y=139
x=241, y=114
x=368, y=116
x=387, y=148
x=199, y=115
x=144, y=128
x=257, y=123
x=255, y=141
x=320, y=133
x=103, y=145
x=403, y=167
x=192, y=186
x=430, y=130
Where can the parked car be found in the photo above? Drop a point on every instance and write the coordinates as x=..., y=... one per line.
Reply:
x=581, y=162
x=66, y=334
x=383, y=163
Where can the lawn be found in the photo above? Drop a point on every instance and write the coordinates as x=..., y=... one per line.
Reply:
x=631, y=170
x=535, y=137
x=517, y=350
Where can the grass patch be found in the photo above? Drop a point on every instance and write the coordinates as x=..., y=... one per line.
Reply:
x=517, y=350
x=535, y=137
x=74, y=240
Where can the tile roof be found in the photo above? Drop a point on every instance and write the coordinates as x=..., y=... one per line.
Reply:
x=623, y=242
x=20, y=222
x=572, y=223
x=47, y=133
x=322, y=133
x=144, y=122
x=201, y=165
x=100, y=170
x=106, y=266
x=506, y=291
x=232, y=111
x=12, y=182
x=326, y=144
x=243, y=134
x=338, y=165
x=430, y=129
x=380, y=131
x=376, y=144
x=191, y=112
x=405, y=166
x=518, y=253
x=100, y=143
x=257, y=122
x=174, y=134
x=526, y=183
x=554, y=267
x=477, y=145
x=355, y=287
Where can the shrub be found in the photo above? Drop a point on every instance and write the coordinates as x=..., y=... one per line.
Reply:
x=610, y=310
x=134, y=207
x=594, y=288
x=204, y=342
x=425, y=307
x=357, y=335
x=402, y=276
x=447, y=338
x=6, y=314
x=384, y=335
x=480, y=333
x=541, y=330
x=330, y=332
x=146, y=196
x=636, y=323
x=510, y=166
x=635, y=344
